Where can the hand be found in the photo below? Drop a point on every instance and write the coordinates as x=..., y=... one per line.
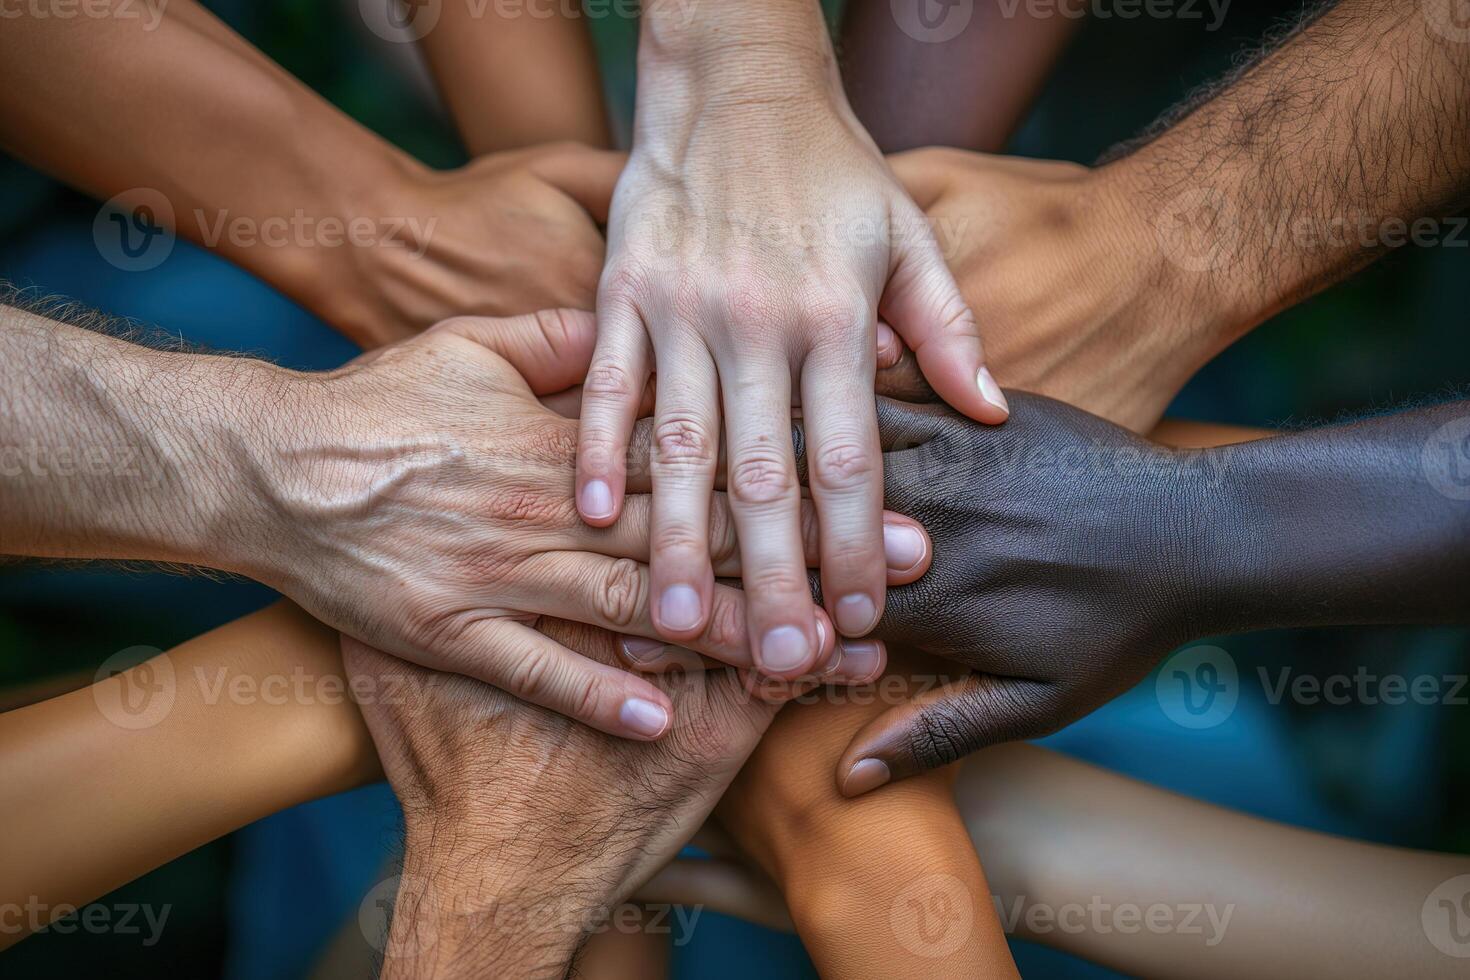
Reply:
x=1060, y=574
x=755, y=239
x=507, y=234
x=420, y=500
x=522, y=829
x=1074, y=296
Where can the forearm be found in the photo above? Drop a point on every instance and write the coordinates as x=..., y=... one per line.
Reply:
x=513, y=78
x=250, y=162
x=1310, y=162
x=1113, y=870
x=970, y=90
x=1360, y=523
x=112, y=450
x=242, y=722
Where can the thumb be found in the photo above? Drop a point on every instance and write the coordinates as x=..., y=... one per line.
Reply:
x=585, y=175
x=924, y=305
x=943, y=725
x=550, y=349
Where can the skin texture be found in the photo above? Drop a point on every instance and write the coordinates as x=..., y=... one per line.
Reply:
x=744, y=144
x=1108, y=287
x=1040, y=529
x=969, y=91
x=515, y=76
x=523, y=827
x=419, y=497
x=278, y=189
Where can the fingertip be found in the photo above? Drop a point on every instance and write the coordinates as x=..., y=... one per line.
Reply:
x=598, y=503
x=647, y=716
x=908, y=550
x=863, y=776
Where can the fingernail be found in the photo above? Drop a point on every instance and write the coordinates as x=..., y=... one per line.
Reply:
x=865, y=776
x=595, y=501
x=643, y=718
x=678, y=608
x=855, y=614
x=641, y=650
x=990, y=391
x=784, y=649
x=860, y=660
x=888, y=349
x=903, y=546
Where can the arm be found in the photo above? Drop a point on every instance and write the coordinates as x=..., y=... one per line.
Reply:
x=968, y=86
x=514, y=78
x=171, y=730
x=755, y=237
x=210, y=138
x=886, y=885
x=416, y=496
x=1065, y=532
x=1109, y=287
x=1259, y=899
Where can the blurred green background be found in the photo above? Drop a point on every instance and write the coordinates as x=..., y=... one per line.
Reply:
x=1395, y=332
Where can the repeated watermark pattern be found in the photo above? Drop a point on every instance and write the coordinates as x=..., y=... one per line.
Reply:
x=933, y=916
x=403, y=21
x=937, y=21
x=1100, y=917
x=1445, y=459
x=147, y=13
x=1445, y=917
x=97, y=918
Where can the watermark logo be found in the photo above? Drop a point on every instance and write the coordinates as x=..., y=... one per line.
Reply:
x=135, y=688
x=150, y=12
x=933, y=916
x=932, y=21
x=1445, y=459
x=409, y=933
x=118, y=919
x=1199, y=230
x=1446, y=917
x=133, y=231
x=1198, y=687
x=1450, y=19
x=400, y=21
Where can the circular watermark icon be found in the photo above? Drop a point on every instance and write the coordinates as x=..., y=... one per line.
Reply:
x=1199, y=230
x=1450, y=19
x=932, y=21
x=1446, y=917
x=933, y=916
x=667, y=239
x=400, y=21
x=408, y=934
x=1198, y=687
x=1445, y=459
x=133, y=231
x=135, y=688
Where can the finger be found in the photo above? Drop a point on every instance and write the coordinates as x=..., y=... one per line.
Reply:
x=568, y=404
x=907, y=550
x=551, y=349
x=610, y=398
x=682, y=465
x=890, y=347
x=765, y=499
x=943, y=725
x=613, y=593
x=533, y=667
x=845, y=473
x=585, y=175
x=728, y=887
x=923, y=304
x=852, y=662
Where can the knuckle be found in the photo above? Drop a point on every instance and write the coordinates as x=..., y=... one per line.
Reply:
x=557, y=328
x=531, y=676
x=776, y=583
x=940, y=736
x=761, y=478
x=586, y=697
x=673, y=540
x=608, y=379
x=841, y=464
x=829, y=313
x=682, y=441
x=726, y=629
x=622, y=282
x=747, y=296
x=520, y=506
x=621, y=594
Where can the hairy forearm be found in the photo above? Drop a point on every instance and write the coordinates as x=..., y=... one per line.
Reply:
x=1311, y=161
x=242, y=722
x=513, y=78
x=1360, y=523
x=234, y=153
x=1113, y=870
x=113, y=450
